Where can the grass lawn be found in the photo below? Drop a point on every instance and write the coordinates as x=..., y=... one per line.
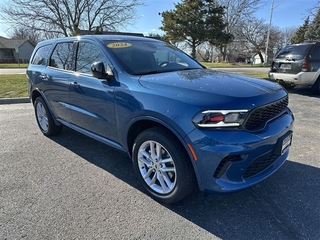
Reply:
x=13, y=86
x=261, y=75
x=13, y=65
x=228, y=65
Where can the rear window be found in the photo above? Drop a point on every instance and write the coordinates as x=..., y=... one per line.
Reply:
x=294, y=51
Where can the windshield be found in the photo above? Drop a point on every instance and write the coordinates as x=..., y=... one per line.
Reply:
x=294, y=51
x=146, y=57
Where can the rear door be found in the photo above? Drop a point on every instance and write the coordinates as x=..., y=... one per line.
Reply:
x=290, y=58
x=56, y=80
x=314, y=57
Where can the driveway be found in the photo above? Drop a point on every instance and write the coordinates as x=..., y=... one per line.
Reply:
x=72, y=187
x=12, y=71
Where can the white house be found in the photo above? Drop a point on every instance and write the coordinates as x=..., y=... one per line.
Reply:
x=256, y=58
x=11, y=50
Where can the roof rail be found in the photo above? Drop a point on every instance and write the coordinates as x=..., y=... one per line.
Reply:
x=88, y=32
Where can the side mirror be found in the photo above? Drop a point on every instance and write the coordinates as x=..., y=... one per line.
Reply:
x=98, y=70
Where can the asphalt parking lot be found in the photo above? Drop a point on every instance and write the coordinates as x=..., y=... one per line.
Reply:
x=72, y=187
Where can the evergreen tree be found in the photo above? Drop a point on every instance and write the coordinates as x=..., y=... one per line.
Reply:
x=313, y=32
x=195, y=22
x=299, y=36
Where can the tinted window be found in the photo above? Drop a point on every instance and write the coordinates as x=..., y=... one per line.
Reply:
x=62, y=56
x=40, y=55
x=88, y=54
x=143, y=57
x=315, y=53
x=294, y=51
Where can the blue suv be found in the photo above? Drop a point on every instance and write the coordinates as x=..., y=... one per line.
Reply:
x=181, y=124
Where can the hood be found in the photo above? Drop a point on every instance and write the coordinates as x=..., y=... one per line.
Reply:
x=214, y=89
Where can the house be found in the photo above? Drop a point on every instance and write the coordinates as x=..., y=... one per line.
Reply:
x=11, y=50
x=256, y=58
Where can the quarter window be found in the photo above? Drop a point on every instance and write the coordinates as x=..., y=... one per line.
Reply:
x=315, y=53
x=62, y=56
x=40, y=55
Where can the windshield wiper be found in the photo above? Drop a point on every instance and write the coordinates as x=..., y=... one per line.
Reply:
x=164, y=70
x=148, y=72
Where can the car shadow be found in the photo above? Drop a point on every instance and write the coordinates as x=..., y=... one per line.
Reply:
x=304, y=91
x=284, y=206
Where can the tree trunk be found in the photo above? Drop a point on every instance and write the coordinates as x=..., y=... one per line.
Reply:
x=261, y=57
x=194, y=52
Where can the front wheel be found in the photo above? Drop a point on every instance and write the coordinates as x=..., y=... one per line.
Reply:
x=44, y=119
x=162, y=165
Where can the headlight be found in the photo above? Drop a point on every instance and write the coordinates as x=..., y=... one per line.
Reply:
x=220, y=118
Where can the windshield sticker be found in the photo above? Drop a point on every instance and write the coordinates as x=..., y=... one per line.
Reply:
x=119, y=45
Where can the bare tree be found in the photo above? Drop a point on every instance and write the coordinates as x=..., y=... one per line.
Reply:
x=205, y=52
x=22, y=33
x=253, y=35
x=67, y=17
x=313, y=10
x=287, y=35
x=237, y=11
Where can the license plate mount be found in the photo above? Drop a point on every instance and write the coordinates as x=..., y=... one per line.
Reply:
x=286, y=143
x=285, y=66
x=283, y=144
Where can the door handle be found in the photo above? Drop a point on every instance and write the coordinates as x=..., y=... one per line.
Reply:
x=74, y=84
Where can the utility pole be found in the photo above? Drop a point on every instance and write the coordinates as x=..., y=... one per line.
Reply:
x=268, y=35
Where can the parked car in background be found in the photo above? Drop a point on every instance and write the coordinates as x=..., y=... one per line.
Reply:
x=181, y=124
x=298, y=64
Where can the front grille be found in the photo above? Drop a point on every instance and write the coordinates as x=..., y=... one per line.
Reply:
x=259, y=165
x=261, y=115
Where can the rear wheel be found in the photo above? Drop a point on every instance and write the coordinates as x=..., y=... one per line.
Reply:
x=44, y=118
x=316, y=87
x=287, y=86
x=162, y=165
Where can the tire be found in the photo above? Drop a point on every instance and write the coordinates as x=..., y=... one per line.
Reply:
x=44, y=119
x=316, y=87
x=162, y=165
x=287, y=86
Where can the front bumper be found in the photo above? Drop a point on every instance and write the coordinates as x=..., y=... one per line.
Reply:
x=231, y=160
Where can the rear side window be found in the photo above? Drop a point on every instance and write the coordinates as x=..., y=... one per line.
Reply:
x=40, y=55
x=62, y=56
x=315, y=53
x=294, y=51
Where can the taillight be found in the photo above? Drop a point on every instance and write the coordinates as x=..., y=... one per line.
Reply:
x=305, y=67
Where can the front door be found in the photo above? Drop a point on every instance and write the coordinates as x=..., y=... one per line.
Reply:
x=92, y=99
